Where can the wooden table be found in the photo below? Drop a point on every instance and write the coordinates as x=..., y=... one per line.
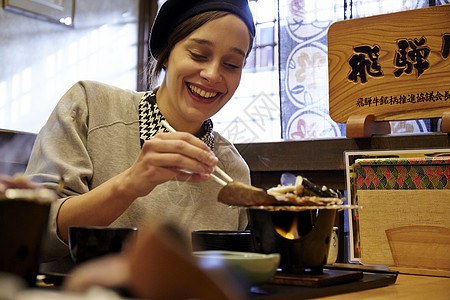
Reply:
x=376, y=284
x=406, y=287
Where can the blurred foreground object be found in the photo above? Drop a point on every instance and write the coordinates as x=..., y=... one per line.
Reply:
x=157, y=265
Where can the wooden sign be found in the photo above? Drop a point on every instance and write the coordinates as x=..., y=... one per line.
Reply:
x=390, y=67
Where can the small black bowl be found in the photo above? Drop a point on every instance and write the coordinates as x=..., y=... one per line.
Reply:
x=88, y=242
x=230, y=240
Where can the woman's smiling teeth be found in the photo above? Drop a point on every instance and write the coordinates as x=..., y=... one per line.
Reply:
x=201, y=92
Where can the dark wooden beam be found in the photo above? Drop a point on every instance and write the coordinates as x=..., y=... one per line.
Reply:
x=147, y=13
x=322, y=161
x=328, y=154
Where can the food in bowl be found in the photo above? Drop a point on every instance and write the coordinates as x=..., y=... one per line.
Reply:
x=304, y=192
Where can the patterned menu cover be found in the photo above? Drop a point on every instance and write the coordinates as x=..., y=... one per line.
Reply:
x=399, y=192
x=391, y=170
x=420, y=173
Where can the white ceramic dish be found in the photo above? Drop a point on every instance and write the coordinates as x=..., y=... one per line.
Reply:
x=256, y=267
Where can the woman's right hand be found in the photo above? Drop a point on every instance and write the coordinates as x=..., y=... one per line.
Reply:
x=168, y=156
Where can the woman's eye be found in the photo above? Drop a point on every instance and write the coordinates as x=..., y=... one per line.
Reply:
x=197, y=56
x=232, y=66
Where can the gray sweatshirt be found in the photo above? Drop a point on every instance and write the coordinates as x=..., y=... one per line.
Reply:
x=93, y=135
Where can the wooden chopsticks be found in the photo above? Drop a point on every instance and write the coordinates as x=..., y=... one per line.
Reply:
x=227, y=178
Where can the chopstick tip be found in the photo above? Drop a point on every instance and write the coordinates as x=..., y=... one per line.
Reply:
x=167, y=125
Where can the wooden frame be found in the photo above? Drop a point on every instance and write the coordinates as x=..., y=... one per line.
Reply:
x=55, y=11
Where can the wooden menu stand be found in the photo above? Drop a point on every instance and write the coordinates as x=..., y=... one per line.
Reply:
x=359, y=126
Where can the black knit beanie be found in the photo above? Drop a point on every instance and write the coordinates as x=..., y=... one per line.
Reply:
x=173, y=12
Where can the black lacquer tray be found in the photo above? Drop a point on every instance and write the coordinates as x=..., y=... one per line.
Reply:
x=370, y=279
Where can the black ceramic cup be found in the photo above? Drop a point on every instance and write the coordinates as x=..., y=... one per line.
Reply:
x=89, y=242
x=23, y=224
x=222, y=240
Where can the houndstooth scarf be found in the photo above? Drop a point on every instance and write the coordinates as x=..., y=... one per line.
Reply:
x=150, y=121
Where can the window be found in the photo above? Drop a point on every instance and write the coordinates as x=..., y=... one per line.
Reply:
x=264, y=53
x=303, y=63
x=284, y=88
x=253, y=114
x=41, y=61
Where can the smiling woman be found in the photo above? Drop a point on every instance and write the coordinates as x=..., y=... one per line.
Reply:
x=150, y=173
